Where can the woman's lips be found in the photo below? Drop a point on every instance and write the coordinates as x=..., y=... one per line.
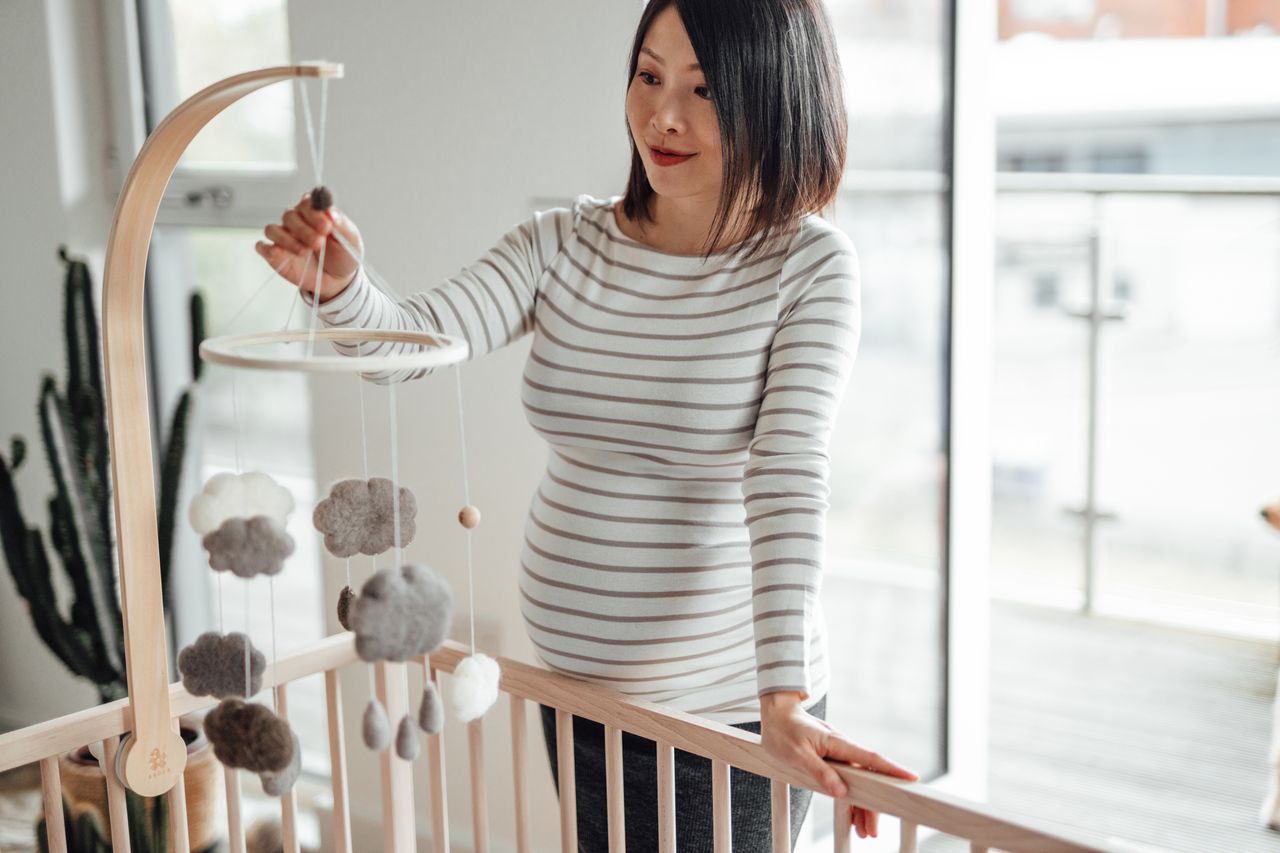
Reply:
x=664, y=159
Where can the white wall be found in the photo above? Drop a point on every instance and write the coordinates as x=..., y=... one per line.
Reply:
x=52, y=166
x=451, y=119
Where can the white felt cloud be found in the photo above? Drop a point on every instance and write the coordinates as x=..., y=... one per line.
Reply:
x=475, y=687
x=245, y=495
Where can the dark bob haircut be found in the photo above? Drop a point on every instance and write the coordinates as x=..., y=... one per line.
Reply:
x=775, y=79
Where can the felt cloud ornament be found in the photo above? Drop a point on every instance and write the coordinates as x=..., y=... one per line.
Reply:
x=431, y=711
x=250, y=736
x=358, y=517
x=401, y=613
x=475, y=687
x=345, y=599
x=407, y=743
x=277, y=784
x=248, y=546
x=229, y=495
x=214, y=665
x=375, y=728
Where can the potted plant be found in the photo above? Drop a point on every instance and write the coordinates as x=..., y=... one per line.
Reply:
x=88, y=638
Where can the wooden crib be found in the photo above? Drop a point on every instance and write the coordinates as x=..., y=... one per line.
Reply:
x=139, y=735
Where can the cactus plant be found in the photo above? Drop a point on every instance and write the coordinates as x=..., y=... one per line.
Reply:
x=89, y=637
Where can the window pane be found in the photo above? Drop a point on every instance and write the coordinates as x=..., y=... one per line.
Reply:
x=1138, y=87
x=251, y=420
x=192, y=44
x=884, y=590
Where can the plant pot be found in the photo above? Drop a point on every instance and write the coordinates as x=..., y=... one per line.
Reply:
x=84, y=794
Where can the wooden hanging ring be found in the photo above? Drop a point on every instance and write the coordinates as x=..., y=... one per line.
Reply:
x=435, y=351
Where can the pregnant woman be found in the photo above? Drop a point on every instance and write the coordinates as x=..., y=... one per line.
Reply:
x=692, y=340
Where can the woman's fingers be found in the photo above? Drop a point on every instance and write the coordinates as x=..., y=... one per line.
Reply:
x=842, y=748
x=282, y=238
x=301, y=229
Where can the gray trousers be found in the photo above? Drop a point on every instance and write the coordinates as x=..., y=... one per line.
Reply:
x=749, y=794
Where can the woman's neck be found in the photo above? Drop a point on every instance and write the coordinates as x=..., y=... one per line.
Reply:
x=680, y=228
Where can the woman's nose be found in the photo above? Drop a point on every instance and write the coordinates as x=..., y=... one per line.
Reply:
x=668, y=115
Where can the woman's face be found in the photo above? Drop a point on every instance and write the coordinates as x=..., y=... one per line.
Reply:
x=669, y=106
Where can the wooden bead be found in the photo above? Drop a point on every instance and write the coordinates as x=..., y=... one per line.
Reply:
x=469, y=516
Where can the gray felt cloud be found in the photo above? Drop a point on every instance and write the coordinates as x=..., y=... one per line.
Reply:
x=248, y=735
x=401, y=613
x=357, y=517
x=248, y=547
x=214, y=665
x=278, y=784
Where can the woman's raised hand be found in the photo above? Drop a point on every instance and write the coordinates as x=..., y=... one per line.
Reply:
x=293, y=246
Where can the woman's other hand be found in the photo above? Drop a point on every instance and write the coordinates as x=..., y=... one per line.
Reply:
x=802, y=740
x=293, y=246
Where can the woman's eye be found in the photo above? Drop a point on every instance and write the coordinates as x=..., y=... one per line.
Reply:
x=650, y=80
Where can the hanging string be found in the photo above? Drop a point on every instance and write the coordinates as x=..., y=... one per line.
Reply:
x=395, y=475
x=271, y=583
x=256, y=293
x=315, y=301
x=319, y=147
x=246, y=641
x=293, y=303
x=311, y=132
x=466, y=493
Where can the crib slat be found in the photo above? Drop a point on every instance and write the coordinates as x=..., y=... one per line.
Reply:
x=235, y=823
x=116, y=806
x=51, y=788
x=518, y=734
x=722, y=835
x=479, y=811
x=780, y=812
x=337, y=764
x=399, y=834
x=289, y=801
x=614, y=789
x=907, y=834
x=568, y=788
x=842, y=822
x=179, y=836
x=666, y=798
x=439, y=803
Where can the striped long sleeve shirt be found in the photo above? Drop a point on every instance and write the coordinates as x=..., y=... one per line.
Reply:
x=673, y=549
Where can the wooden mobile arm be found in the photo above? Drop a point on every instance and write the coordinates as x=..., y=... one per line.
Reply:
x=155, y=753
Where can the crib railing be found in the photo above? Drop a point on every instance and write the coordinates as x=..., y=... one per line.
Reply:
x=915, y=804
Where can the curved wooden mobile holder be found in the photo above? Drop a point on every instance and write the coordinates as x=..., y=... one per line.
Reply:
x=154, y=755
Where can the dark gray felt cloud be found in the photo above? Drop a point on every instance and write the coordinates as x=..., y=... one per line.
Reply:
x=358, y=517
x=248, y=735
x=401, y=613
x=248, y=547
x=214, y=665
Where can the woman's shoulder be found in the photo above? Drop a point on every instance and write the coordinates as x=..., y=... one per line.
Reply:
x=818, y=238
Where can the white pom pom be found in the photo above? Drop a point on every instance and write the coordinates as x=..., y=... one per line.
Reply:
x=229, y=495
x=475, y=687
